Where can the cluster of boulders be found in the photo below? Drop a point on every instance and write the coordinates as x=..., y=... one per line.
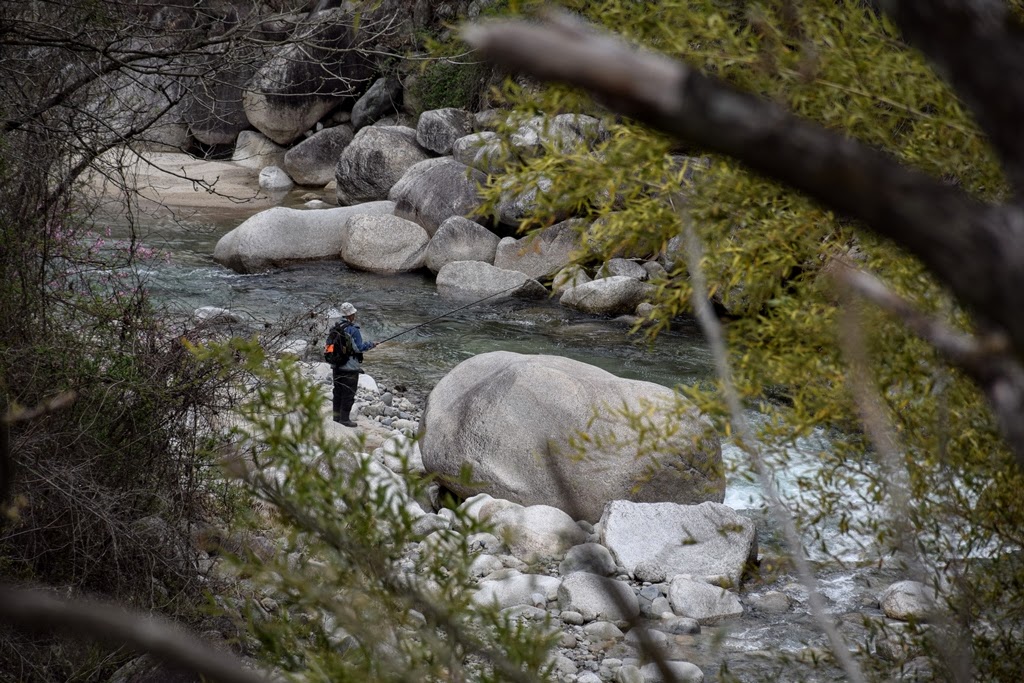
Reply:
x=410, y=200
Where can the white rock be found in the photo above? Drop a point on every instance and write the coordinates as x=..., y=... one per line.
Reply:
x=614, y=295
x=602, y=597
x=475, y=279
x=682, y=672
x=537, y=532
x=701, y=601
x=542, y=254
x=516, y=590
x=384, y=244
x=906, y=600
x=274, y=178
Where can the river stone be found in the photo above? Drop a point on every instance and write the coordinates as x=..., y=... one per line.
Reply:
x=598, y=597
x=460, y=239
x=255, y=150
x=701, y=601
x=482, y=151
x=438, y=129
x=628, y=673
x=212, y=106
x=280, y=235
x=707, y=540
x=567, y=277
x=541, y=254
x=295, y=88
x=516, y=204
x=476, y=279
x=588, y=557
x=513, y=418
x=772, y=602
x=374, y=161
x=908, y=600
x=434, y=190
x=615, y=295
x=312, y=161
x=621, y=266
x=516, y=590
x=537, y=532
x=382, y=98
x=682, y=672
x=273, y=178
x=384, y=244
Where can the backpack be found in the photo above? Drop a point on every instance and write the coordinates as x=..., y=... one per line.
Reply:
x=340, y=346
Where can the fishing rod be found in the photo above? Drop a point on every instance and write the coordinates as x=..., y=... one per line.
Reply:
x=445, y=315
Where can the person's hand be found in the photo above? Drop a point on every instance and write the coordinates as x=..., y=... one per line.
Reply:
x=373, y=345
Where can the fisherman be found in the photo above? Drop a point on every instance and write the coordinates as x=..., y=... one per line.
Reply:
x=344, y=351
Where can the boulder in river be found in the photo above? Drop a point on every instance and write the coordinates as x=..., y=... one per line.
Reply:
x=255, y=150
x=280, y=236
x=438, y=129
x=434, y=190
x=704, y=602
x=384, y=244
x=460, y=239
x=476, y=279
x=382, y=98
x=608, y=296
x=542, y=254
x=312, y=161
x=517, y=419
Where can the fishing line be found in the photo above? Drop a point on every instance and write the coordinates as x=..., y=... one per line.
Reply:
x=445, y=315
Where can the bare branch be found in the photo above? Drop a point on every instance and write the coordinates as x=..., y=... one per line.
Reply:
x=155, y=635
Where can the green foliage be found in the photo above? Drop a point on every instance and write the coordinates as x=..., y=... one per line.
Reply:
x=367, y=592
x=768, y=253
x=447, y=82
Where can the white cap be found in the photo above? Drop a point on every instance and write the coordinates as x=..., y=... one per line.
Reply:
x=348, y=309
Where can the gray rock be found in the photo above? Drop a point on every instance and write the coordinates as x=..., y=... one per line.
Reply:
x=212, y=106
x=621, y=266
x=590, y=594
x=537, y=532
x=588, y=677
x=628, y=673
x=654, y=270
x=213, y=315
x=382, y=98
x=682, y=672
x=313, y=161
x=608, y=296
x=438, y=129
x=274, y=178
x=499, y=412
x=588, y=557
x=374, y=161
x=772, y=602
x=567, y=277
x=475, y=279
x=542, y=254
x=602, y=630
x=482, y=151
x=294, y=89
x=908, y=600
x=701, y=601
x=570, y=617
x=460, y=239
x=516, y=590
x=707, y=540
x=279, y=236
x=483, y=565
x=384, y=244
x=680, y=626
x=255, y=150
x=517, y=203
x=434, y=190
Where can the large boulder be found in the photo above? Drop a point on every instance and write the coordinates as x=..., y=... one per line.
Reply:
x=382, y=98
x=483, y=151
x=608, y=296
x=517, y=589
x=279, y=236
x=460, y=239
x=438, y=129
x=516, y=420
x=213, y=106
x=256, y=151
x=908, y=600
x=710, y=541
x=517, y=203
x=597, y=597
x=542, y=254
x=312, y=161
x=434, y=190
x=476, y=279
x=704, y=602
x=384, y=244
x=374, y=161
x=306, y=78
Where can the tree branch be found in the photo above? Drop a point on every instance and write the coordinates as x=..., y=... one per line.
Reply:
x=155, y=635
x=969, y=245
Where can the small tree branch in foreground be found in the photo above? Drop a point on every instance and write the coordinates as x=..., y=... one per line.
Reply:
x=157, y=636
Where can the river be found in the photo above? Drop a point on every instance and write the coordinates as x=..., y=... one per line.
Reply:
x=187, y=278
